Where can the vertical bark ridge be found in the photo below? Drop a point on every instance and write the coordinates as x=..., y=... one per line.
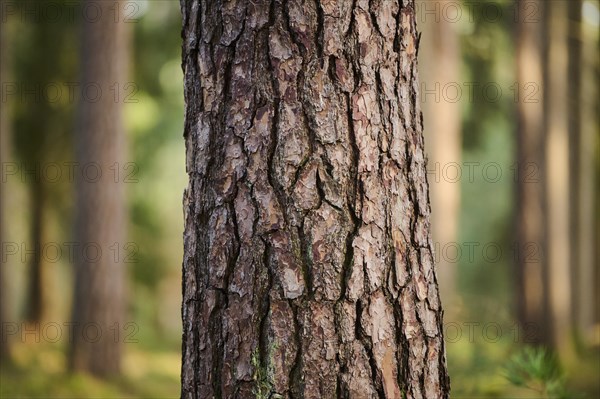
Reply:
x=308, y=270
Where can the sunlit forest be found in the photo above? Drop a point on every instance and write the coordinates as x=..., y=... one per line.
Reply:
x=509, y=94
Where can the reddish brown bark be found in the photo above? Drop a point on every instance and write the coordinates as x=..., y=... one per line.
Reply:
x=308, y=268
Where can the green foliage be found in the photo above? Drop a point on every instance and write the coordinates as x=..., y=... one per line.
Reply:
x=155, y=125
x=538, y=369
x=43, y=61
x=486, y=47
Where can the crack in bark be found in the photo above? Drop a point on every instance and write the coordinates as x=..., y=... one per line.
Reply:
x=306, y=261
x=293, y=35
x=368, y=346
x=295, y=374
x=320, y=31
x=263, y=340
x=323, y=196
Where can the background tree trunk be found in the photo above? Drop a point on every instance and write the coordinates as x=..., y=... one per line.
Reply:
x=557, y=164
x=574, y=120
x=100, y=207
x=308, y=268
x=4, y=142
x=442, y=132
x=582, y=172
x=531, y=261
x=589, y=204
x=35, y=285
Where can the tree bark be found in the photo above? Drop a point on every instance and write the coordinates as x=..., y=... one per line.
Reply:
x=531, y=275
x=100, y=203
x=308, y=268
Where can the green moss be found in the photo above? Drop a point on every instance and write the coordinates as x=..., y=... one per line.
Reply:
x=264, y=372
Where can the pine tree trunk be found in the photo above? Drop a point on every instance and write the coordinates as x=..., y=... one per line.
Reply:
x=308, y=268
x=100, y=207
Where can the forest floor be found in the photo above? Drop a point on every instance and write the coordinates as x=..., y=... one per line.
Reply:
x=39, y=371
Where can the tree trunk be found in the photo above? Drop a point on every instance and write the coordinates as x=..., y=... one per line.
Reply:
x=100, y=208
x=557, y=165
x=308, y=268
x=531, y=261
x=589, y=203
x=4, y=142
x=574, y=120
x=35, y=287
x=443, y=134
x=581, y=159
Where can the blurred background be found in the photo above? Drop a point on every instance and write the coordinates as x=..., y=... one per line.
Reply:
x=509, y=91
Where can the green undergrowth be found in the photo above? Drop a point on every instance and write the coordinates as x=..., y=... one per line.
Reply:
x=39, y=371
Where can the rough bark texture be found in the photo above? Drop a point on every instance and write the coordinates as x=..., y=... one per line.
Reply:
x=531, y=274
x=100, y=206
x=308, y=269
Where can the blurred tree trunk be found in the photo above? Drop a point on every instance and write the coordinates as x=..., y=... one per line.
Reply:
x=557, y=168
x=590, y=178
x=35, y=138
x=35, y=310
x=308, y=268
x=440, y=72
x=531, y=262
x=100, y=209
x=4, y=143
x=574, y=117
x=583, y=124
